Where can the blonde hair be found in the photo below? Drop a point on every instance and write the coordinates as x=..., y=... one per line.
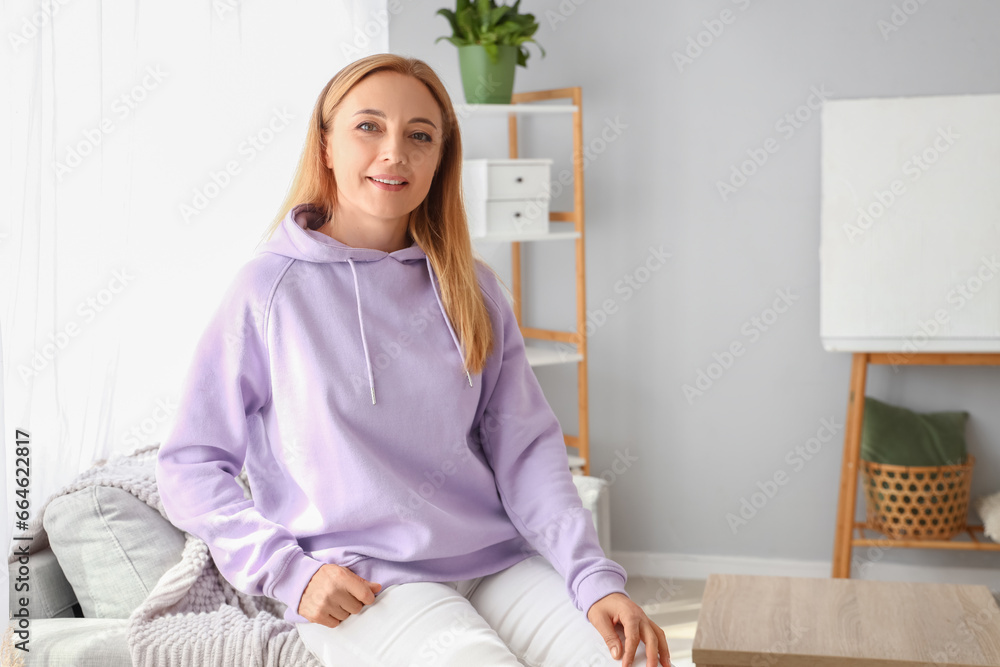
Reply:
x=438, y=225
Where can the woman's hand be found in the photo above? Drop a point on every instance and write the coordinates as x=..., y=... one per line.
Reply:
x=616, y=608
x=333, y=594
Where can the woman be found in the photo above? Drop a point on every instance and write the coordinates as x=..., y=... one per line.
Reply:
x=412, y=501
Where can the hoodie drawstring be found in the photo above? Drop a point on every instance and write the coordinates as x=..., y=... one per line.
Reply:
x=364, y=340
x=461, y=357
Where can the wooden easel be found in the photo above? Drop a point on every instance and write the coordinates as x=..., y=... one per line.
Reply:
x=844, y=541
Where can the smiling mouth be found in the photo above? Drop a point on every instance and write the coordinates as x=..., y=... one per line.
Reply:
x=398, y=182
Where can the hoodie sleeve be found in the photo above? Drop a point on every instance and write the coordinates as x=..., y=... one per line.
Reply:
x=524, y=445
x=227, y=385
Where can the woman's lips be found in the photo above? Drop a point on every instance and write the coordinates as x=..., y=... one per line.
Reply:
x=386, y=186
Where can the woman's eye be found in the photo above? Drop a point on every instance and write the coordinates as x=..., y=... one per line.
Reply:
x=426, y=137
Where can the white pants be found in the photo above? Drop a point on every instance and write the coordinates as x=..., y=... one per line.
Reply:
x=515, y=617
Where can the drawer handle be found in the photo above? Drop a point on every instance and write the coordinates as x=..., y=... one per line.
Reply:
x=517, y=214
x=519, y=180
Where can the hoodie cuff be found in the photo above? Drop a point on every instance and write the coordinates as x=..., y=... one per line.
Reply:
x=292, y=583
x=598, y=585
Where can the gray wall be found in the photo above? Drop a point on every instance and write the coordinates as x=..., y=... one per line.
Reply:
x=655, y=183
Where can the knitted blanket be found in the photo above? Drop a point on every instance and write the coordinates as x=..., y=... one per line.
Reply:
x=193, y=617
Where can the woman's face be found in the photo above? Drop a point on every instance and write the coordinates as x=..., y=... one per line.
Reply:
x=388, y=126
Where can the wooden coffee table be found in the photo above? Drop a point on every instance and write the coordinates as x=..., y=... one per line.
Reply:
x=756, y=621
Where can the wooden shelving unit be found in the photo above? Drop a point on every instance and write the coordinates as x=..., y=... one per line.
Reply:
x=844, y=539
x=529, y=103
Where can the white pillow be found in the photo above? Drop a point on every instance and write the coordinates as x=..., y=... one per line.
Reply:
x=111, y=546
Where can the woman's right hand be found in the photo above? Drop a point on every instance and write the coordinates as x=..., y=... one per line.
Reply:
x=333, y=594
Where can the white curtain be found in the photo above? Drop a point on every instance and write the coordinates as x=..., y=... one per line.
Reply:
x=148, y=146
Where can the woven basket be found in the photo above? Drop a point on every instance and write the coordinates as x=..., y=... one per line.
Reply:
x=917, y=502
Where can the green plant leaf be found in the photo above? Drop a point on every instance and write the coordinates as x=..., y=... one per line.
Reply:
x=467, y=25
x=457, y=41
x=496, y=17
x=483, y=8
x=450, y=15
x=493, y=52
x=484, y=22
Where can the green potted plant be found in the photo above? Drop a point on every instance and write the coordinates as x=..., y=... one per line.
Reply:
x=490, y=41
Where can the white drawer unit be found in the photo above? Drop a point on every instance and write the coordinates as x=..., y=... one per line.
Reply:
x=517, y=216
x=506, y=196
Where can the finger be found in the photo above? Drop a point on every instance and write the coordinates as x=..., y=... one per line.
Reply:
x=338, y=612
x=631, y=626
x=652, y=644
x=350, y=604
x=362, y=590
x=606, y=627
x=664, y=649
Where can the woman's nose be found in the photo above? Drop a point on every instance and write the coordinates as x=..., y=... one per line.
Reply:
x=392, y=148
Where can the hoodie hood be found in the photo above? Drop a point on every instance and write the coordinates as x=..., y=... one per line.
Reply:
x=296, y=237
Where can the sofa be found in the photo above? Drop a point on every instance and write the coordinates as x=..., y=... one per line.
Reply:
x=114, y=548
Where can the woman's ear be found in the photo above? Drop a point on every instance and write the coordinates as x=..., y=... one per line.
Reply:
x=324, y=149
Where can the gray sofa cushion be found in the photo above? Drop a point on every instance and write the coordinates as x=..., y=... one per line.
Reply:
x=112, y=547
x=49, y=595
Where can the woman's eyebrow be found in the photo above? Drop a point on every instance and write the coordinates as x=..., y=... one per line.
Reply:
x=376, y=112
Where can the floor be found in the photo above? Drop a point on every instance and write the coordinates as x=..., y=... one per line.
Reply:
x=673, y=604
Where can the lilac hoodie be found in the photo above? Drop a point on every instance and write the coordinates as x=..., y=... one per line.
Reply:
x=334, y=376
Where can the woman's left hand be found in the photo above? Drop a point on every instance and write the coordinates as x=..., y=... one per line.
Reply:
x=614, y=609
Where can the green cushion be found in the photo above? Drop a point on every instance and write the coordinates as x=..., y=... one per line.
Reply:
x=895, y=435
